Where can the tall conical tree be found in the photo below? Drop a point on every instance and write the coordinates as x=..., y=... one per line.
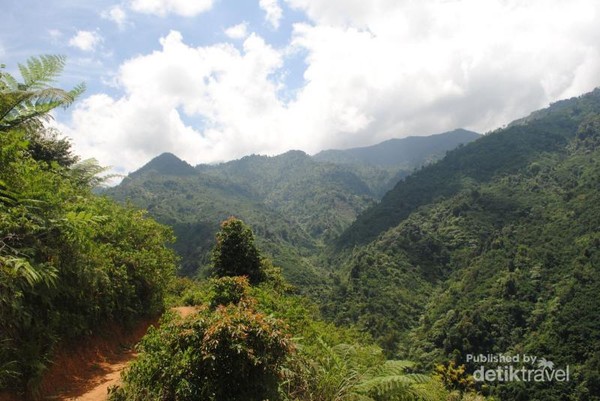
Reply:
x=235, y=253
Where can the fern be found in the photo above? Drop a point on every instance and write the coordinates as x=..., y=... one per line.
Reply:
x=88, y=172
x=352, y=372
x=389, y=381
x=7, y=197
x=20, y=268
x=26, y=104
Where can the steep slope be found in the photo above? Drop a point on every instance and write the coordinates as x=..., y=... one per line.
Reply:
x=501, y=152
x=322, y=198
x=405, y=153
x=504, y=259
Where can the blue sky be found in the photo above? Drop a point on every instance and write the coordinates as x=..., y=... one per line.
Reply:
x=213, y=80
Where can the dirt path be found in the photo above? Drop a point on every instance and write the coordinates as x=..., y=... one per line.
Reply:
x=86, y=374
x=94, y=383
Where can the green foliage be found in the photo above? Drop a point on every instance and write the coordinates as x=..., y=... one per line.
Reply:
x=235, y=253
x=236, y=347
x=239, y=351
x=45, y=145
x=355, y=372
x=455, y=377
x=229, y=290
x=498, y=153
x=69, y=260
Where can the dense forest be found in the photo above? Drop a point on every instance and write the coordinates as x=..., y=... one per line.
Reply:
x=297, y=204
x=494, y=249
x=363, y=274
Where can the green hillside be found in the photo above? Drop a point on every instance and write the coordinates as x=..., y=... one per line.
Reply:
x=492, y=250
x=71, y=262
x=501, y=152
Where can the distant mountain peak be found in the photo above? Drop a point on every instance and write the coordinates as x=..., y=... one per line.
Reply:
x=401, y=152
x=166, y=164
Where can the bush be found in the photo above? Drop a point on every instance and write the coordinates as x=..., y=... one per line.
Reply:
x=228, y=353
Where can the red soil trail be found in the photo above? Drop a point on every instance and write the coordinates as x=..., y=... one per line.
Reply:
x=86, y=371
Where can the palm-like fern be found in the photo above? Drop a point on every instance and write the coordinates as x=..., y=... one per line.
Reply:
x=347, y=372
x=26, y=104
x=390, y=381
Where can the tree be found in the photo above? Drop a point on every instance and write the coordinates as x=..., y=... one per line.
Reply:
x=46, y=145
x=235, y=253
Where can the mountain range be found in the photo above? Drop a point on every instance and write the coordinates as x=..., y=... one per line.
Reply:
x=296, y=203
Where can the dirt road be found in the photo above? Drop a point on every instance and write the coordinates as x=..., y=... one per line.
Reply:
x=85, y=374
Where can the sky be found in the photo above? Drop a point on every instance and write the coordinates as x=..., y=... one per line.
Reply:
x=215, y=80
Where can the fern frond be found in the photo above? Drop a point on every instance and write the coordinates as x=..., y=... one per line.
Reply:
x=27, y=104
x=358, y=397
x=88, y=173
x=390, y=368
x=39, y=72
x=22, y=269
x=388, y=384
x=7, y=196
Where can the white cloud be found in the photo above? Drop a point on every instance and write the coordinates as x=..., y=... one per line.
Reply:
x=219, y=85
x=419, y=67
x=85, y=40
x=117, y=14
x=239, y=31
x=273, y=12
x=374, y=70
x=186, y=8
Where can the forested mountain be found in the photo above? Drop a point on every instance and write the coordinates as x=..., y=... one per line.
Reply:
x=492, y=250
x=502, y=152
x=295, y=203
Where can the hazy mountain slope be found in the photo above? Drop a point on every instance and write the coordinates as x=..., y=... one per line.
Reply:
x=501, y=152
x=322, y=198
x=405, y=153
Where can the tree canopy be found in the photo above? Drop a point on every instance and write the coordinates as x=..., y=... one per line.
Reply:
x=235, y=253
